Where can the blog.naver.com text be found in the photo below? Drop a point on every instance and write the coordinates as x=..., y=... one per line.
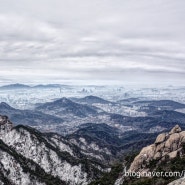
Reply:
x=127, y=173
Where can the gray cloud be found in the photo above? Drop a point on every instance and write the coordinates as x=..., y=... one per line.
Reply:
x=80, y=40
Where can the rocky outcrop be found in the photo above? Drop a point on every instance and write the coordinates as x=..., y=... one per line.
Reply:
x=5, y=121
x=176, y=129
x=167, y=145
x=5, y=125
x=178, y=182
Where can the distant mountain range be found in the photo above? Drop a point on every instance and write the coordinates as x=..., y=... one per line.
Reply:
x=15, y=86
x=23, y=86
x=161, y=117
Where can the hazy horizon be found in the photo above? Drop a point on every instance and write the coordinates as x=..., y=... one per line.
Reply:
x=118, y=85
x=101, y=42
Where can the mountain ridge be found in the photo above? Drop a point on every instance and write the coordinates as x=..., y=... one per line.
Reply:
x=65, y=106
x=55, y=157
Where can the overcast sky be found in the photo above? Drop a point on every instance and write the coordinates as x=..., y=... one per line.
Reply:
x=92, y=41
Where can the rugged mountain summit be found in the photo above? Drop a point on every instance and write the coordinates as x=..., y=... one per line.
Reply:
x=28, y=154
x=166, y=154
x=166, y=145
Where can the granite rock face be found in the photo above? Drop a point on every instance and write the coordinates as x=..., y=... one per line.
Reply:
x=178, y=182
x=166, y=145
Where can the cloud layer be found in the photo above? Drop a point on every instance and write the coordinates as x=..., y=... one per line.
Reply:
x=125, y=41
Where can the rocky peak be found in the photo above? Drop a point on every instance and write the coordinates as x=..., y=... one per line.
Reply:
x=5, y=125
x=167, y=145
x=3, y=120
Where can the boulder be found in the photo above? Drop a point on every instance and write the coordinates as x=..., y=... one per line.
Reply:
x=182, y=136
x=173, y=154
x=178, y=182
x=144, y=157
x=175, y=129
x=172, y=142
x=160, y=138
x=157, y=155
x=160, y=147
